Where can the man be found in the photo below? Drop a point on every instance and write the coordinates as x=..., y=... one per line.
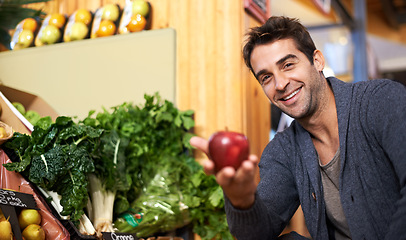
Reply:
x=343, y=159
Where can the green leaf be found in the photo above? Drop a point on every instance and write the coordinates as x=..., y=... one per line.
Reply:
x=188, y=122
x=216, y=197
x=20, y=143
x=47, y=168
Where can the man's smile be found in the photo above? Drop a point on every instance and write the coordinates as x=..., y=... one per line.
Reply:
x=291, y=95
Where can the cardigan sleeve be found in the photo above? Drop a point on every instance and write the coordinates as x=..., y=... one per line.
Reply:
x=387, y=115
x=276, y=198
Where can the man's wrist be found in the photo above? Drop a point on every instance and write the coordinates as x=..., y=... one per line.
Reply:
x=243, y=204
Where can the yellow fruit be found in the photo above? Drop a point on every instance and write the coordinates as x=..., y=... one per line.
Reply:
x=106, y=28
x=25, y=38
x=137, y=23
x=6, y=233
x=57, y=19
x=110, y=12
x=28, y=217
x=2, y=217
x=33, y=232
x=140, y=7
x=79, y=31
x=3, y=133
x=83, y=15
x=30, y=24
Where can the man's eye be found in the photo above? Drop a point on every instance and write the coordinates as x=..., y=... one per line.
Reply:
x=287, y=65
x=265, y=79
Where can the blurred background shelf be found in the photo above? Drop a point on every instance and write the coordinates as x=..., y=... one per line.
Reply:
x=76, y=77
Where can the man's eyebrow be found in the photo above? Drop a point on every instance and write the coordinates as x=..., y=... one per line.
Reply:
x=279, y=62
x=260, y=73
x=282, y=60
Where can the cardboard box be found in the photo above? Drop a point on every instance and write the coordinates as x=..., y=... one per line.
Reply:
x=10, y=114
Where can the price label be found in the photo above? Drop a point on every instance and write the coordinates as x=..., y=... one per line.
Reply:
x=17, y=199
x=9, y=200
x=118, y=236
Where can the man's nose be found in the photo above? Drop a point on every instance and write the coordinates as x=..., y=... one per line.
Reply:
x=280, y=82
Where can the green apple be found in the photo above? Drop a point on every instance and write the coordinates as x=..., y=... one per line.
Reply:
x=110, y=12
x=140, y=7
x=50, y=34
x=19, y=107
x=78, y=31
x=32, y=117
x=25, y=38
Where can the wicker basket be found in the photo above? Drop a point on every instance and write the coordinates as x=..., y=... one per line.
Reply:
x=9, y=132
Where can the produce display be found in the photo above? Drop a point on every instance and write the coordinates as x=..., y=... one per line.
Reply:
x=51, y=30
x=228, y=149
x=78, y=26
x=129, y=169
x=24, y=34
x=32, y=215
x=135, y=15
x=31, y=115
x=107, y=20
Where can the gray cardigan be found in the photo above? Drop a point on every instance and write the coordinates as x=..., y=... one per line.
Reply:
x=372, y=132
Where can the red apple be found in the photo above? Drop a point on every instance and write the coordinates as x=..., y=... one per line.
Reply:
x=228, y=149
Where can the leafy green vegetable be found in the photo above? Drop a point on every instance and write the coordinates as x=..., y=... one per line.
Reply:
x=57, y=157
x=132, y=160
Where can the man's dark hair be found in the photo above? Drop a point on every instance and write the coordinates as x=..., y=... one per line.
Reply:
x=277, y=28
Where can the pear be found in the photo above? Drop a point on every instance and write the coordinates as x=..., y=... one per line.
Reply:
x=33, y=232
x=2, y=217
x=6, y=233
x=29, y=216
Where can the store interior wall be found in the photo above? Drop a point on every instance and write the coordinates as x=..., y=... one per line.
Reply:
x=386, y=57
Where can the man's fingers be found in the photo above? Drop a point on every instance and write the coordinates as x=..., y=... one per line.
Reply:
x=200, y=143
x=208, y=167
x=246, y=172
x=225, y=176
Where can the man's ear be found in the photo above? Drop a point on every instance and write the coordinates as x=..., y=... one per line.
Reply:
x=318, y=60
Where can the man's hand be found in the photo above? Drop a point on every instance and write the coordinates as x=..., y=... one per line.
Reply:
x=239, y=186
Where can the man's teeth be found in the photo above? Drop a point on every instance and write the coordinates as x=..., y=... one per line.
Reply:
x=291, y=95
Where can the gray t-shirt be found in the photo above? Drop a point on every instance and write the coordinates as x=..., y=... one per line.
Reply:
x=330, y=175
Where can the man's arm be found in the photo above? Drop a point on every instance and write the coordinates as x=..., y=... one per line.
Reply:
x=388, y=116
x=253, y=215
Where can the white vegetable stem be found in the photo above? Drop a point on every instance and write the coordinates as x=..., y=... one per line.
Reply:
x=103, y=204
x=85, y=225
x=56, y=201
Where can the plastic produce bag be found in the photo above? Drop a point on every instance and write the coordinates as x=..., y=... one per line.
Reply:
x=158, y=209
x=54, y=230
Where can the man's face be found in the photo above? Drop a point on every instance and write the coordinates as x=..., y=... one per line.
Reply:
x=288, y=78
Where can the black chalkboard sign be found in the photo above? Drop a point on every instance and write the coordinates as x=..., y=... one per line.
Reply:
x=17, y=199
x=9, y=201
